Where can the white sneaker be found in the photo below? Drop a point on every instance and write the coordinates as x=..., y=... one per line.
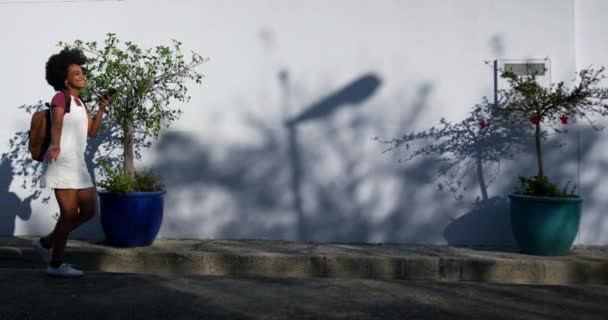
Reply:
x=64, y=270
x=44, y=253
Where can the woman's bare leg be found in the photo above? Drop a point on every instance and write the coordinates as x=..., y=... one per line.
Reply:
x=86, y=211
x=68, y=206
x=87, y=206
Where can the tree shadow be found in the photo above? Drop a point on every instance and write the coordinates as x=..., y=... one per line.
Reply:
x=234, y=192
x=19, y=158
x=12, y=206
x=348, y=194
x=270, y=190
x=469, y=154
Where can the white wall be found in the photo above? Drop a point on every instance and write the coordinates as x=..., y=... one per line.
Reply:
x=592, y=50
x=226, y=161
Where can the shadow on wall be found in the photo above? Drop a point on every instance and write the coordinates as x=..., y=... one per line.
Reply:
x=18, y=164
x=488, y=223
x=20, y=160
x=262, y=184
x=563, y=162
x=352, y=94
x=469, y=154
x=12, y=206
x=365, y=197
x=347, y=191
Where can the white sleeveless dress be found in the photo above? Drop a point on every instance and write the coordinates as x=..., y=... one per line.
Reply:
x=70, y=170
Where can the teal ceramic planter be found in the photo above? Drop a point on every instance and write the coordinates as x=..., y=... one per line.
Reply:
x=543, y=225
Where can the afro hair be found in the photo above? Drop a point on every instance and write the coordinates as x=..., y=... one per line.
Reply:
x=57, y=66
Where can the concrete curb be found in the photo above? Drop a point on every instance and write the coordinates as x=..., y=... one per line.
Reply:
x=410, y=266
x=524, y=271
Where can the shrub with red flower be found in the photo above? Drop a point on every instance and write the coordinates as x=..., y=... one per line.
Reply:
x=527, y=99
x=473, y=146
x=535, y=119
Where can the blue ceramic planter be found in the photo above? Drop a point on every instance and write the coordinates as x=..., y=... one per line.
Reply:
x=543, y=225
x=131, y=219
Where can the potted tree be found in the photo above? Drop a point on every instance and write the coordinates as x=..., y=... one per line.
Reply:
x=545, y=217
x=145, y=83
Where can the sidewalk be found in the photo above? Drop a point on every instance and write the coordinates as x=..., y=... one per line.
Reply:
x=584, y=265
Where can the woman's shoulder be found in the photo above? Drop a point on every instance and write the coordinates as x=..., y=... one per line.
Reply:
x=59, y=99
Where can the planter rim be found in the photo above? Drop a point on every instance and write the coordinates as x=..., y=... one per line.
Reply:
x=546, y=199
x=133, y=194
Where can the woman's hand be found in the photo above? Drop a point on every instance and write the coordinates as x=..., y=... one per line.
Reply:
x=53, y=152
x=95, y=124
x=103, y=102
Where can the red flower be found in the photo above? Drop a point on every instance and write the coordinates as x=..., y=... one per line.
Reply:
x=564, y=119
x=535, y=119
x=482, y=124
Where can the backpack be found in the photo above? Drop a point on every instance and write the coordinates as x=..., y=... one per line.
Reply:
x=40, y=130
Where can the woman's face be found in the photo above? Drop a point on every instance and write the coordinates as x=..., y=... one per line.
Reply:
x=76, y=78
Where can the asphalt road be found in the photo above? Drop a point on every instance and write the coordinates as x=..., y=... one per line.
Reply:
x=30, y=294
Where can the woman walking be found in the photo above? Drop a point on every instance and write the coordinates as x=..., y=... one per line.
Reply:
x=65, y=167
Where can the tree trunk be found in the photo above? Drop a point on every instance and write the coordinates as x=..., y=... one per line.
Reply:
x=539, y=155
x=480, y=177
x=127, y=143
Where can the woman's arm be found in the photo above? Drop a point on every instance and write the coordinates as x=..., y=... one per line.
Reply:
x=57, y=125
x=58, y=106
x=95, y=123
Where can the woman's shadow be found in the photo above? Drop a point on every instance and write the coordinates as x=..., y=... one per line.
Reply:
x=12, y=205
